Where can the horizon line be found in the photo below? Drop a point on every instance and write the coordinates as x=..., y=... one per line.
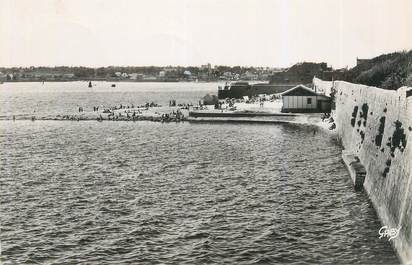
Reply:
x=182, y=66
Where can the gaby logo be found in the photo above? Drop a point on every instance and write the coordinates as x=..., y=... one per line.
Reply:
x=391, y=233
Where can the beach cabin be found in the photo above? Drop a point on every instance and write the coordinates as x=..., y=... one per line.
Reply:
x=303, y=99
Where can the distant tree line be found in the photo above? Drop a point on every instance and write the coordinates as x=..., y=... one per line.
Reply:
x=89, y=72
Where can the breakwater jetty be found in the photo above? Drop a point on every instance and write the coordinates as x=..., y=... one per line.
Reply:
x=242, y=116
x=150, y=113
x=375, y=128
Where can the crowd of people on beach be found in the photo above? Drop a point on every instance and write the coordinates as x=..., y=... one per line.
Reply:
x=173, y=116
x=121, y=106
x=133, y=112
x=126, y=115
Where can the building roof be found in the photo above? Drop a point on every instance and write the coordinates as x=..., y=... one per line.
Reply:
x=301, y=90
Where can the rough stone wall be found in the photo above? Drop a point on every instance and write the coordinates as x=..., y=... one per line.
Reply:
x=322, y=87
x=376, y=125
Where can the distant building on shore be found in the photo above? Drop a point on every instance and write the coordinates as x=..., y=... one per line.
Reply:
x=206, y=67
x=303, y=73
x=68, y=76
x=362, y=61
x=303, y=99
x=240, y=89
x=125, y=75
x=136, y=76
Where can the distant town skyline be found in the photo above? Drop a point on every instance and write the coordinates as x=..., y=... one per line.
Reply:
x=267, y=33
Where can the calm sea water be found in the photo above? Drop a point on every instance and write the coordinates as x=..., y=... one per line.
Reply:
x=66, y=98
x=151, y=193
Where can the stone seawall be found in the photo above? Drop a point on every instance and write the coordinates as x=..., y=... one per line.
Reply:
x=376, y=126
x=322, y=87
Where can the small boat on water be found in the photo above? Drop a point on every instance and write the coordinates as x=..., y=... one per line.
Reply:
x=113, y=85
x=90, y=84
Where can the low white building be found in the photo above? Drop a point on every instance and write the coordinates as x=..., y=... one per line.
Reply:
x=303, y=99
x=136, y=76
x=187, y=73
x=68, y=76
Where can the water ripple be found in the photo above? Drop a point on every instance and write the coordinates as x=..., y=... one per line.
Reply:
x=180, y=194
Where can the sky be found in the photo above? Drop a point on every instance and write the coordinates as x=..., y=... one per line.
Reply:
x=274, y=33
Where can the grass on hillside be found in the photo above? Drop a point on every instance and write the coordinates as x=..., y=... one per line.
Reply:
x=388, y=71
